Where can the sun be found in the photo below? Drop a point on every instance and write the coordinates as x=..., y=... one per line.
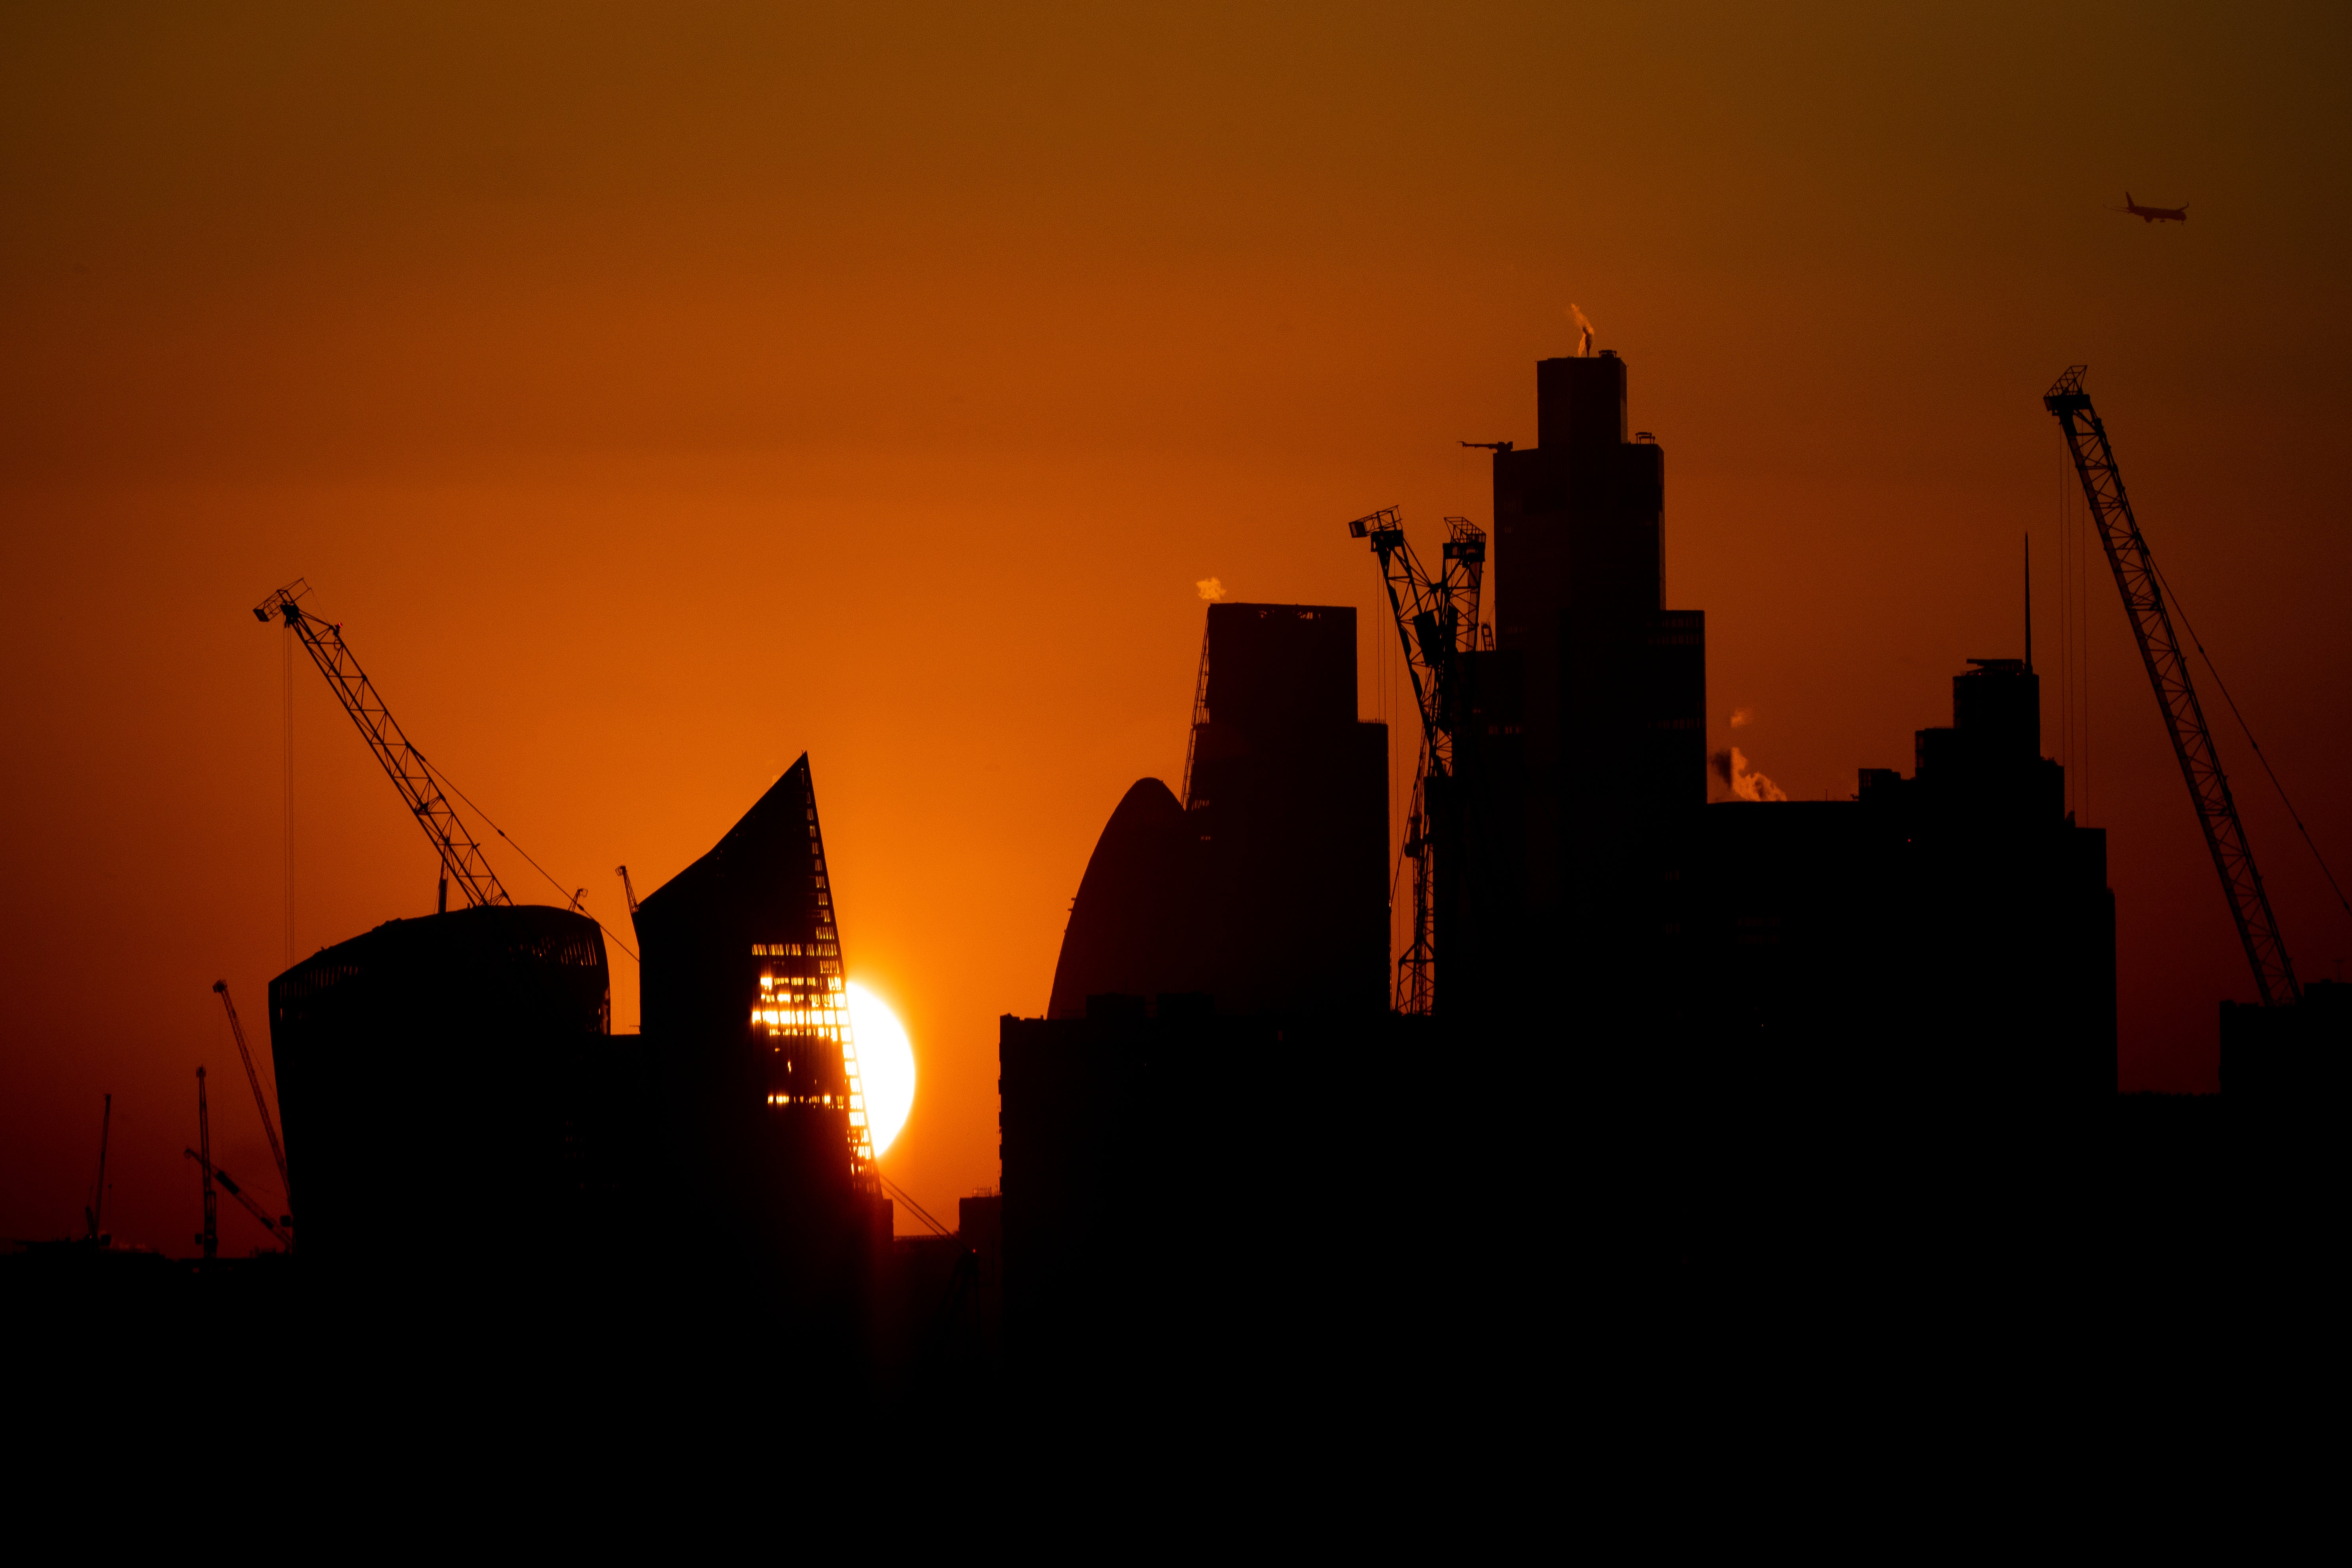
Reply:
x=886, y=1061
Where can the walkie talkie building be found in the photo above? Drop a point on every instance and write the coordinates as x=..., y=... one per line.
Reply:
x=442, y=1067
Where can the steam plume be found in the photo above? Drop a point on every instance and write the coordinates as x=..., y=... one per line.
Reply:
x=1211, y=589
x=1744, y=782
x=1584, y=327
x=1740, y=717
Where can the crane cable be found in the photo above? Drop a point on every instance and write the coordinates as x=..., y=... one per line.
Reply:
x=920, y=1212
x=573, y=899
x=2294, y=815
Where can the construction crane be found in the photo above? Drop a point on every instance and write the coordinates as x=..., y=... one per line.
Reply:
x=278, y=1228
x=268, y=1125
x=95, y=1211
x=2167, y=671
x=209, y=1238
x=461, y=858
x=628, y=893
x=1437, y=621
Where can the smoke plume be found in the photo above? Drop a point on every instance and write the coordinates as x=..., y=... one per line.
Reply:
x=1211, y=589
x=1742, y=781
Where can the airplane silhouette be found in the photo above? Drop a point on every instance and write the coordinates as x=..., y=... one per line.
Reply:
x=2155, y=215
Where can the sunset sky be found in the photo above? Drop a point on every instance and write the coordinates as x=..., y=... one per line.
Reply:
x=656, y=392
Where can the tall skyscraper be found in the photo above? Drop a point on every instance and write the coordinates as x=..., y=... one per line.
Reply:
x=1267, y=886
x=1587, y=748
x=762, y=1153
x=1288, y=799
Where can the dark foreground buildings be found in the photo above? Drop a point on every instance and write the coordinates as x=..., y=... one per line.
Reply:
x=1681, y=1054
x=1685, y=1043
x=1942, y=938
x=700, y=1189
x=1710, y=1090
x=1946, y=933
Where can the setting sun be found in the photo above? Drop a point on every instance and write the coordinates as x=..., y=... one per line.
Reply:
x=886, y=1061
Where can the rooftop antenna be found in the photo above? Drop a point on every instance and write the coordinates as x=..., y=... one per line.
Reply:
x=2029, y=604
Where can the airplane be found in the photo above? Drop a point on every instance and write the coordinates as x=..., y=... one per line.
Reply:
x=2155, y=215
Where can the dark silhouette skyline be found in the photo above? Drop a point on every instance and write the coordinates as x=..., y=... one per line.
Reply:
x=1800, y=1045
x=1266, y=888
x=1783, y=1051
x=664, y=392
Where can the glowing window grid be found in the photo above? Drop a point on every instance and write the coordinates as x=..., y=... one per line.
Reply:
x=797, y=1003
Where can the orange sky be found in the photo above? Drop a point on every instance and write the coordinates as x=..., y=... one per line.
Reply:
x=655, y=393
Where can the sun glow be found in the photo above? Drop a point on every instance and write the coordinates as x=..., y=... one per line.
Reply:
x=887, y=1064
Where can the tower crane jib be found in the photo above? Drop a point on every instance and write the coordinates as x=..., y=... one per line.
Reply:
x=2167, y=671
x=1437, y=622
x=461, y=858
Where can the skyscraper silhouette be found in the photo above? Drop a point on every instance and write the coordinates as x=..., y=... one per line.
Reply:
x=748, y=1050
x=1266, y=889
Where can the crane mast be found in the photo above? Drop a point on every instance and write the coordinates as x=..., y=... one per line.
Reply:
x=1437, y=622
x=461, y=858
x=214, y=1174
x=96, y=1211
x=2168, y=672
x=209, y=1238
x=269, y=1124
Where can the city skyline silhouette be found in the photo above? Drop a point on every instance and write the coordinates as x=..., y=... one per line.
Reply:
x=716, y=390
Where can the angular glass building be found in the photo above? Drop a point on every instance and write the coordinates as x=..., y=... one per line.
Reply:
x=760, y=1149
x=744, y=981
